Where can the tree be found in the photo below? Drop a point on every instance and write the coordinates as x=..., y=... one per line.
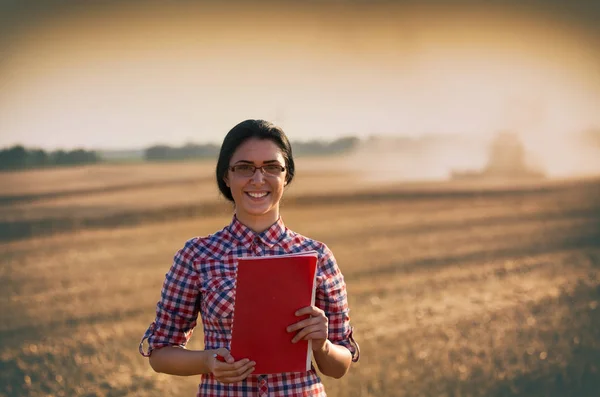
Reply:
x=18, y=157
x=13, y=158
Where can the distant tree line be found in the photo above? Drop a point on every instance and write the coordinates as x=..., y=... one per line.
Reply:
x=194, y=151
x=317, y=148
x=188, y=151
x=18, y=157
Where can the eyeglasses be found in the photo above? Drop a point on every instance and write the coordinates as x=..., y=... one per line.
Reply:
x=248, y=170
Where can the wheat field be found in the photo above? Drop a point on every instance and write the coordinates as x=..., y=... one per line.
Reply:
x=454, y=290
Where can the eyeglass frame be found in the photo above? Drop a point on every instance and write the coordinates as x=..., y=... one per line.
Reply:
x=261, y=168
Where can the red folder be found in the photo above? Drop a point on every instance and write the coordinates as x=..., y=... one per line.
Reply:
x=269, y=290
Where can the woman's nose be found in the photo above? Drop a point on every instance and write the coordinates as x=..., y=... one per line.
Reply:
x=258, y=176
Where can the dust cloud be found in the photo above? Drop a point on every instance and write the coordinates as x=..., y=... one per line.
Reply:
x=438, y=157
x=567, y=156
x=427, y=158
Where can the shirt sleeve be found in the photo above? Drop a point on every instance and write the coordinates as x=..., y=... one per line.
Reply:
x=332, y=298
x=177, y=310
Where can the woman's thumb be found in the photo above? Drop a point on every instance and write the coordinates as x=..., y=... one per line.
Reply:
x=225, y=355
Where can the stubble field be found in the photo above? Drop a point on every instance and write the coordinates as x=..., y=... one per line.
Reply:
x=454, y=290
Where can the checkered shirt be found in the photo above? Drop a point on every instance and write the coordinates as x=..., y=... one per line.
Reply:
x=202, y=280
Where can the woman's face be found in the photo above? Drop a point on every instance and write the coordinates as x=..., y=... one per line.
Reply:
x=257, y=197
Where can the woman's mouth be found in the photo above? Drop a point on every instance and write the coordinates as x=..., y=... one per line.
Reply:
x=257, y=195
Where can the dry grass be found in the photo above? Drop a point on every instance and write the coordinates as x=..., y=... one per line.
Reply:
x=472, y=295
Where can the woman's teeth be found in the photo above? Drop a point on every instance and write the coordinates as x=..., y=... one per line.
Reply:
x=257, y=195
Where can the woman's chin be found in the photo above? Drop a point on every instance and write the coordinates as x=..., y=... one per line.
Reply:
x=258, y=210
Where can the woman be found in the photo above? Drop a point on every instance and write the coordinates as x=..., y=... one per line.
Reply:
x=254, y=166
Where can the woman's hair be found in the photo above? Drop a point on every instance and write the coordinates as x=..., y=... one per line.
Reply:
x=258, y=129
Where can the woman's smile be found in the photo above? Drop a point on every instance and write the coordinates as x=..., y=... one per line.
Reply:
x=257, y=195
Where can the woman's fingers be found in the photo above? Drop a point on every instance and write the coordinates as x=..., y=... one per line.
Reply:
x=317, y=316
x=226, y=372
x=314, y=328
x=235, y=369
x=311, y=332
x=310, y=310
x=242, y=376
x=306, y=323
x=224, y=355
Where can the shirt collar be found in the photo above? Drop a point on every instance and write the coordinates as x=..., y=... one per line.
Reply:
x=271, y=236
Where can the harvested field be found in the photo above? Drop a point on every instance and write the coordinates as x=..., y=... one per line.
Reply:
x=455, y=290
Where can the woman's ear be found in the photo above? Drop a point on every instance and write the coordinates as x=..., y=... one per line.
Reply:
x=226, y=179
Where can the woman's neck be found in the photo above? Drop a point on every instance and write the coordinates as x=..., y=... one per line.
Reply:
x=258, y=223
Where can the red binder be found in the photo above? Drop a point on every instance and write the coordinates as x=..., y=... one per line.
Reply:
x=269, y=290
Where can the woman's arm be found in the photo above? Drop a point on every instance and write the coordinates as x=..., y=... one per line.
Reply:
x=174, y=360
x=333, y=360
x=328, y=326
x=176, y=317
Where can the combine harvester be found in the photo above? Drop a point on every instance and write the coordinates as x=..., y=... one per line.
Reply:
x=506, y=162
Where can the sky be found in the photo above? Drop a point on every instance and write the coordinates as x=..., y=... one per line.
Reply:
x=125, y=75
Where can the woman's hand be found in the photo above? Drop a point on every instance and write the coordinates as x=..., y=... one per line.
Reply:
x=315, y=328
x=229, y=371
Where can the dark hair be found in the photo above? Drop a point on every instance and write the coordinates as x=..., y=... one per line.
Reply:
x=259, y=129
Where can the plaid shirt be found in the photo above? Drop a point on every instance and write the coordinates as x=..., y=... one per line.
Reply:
x=202, y=280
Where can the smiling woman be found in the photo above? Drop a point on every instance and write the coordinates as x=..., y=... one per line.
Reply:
x=254, y=166
x=256, y=194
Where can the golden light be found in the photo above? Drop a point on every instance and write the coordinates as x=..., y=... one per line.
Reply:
x=126, y=77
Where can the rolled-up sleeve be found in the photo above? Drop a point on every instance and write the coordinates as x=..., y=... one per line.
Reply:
x=177, y=310
x=332, y=298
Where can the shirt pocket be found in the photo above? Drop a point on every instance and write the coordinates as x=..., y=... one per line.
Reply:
x=218, y=298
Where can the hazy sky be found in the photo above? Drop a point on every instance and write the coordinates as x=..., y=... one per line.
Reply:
x=115, y=76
